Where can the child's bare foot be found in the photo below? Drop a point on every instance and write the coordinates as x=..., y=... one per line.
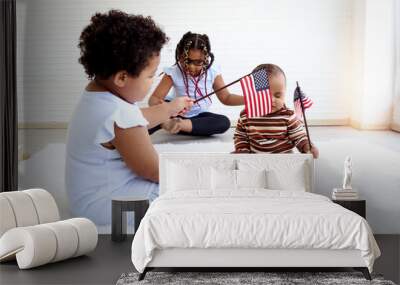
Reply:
x=172, y=125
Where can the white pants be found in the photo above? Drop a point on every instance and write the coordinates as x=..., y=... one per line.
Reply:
x=99, y=210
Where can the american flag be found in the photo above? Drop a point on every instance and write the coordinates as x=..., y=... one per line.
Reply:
x=307, y=102
x=257, y=95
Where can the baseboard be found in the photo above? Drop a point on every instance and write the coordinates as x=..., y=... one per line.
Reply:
x=43, y=125
x=312, y=122
x=370, y=127
x=64, y=125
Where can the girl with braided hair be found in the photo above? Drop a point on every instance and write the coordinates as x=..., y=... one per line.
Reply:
x=194, y=75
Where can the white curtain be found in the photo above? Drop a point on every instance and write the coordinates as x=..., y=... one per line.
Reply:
x=373, y=64
x=396, y=106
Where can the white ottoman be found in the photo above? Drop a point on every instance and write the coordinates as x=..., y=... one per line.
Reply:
x=31, y=232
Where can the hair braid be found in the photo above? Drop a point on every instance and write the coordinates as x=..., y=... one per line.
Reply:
x=194, y=41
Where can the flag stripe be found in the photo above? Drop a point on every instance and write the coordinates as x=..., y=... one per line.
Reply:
x=263, y=101
x=255, y=97
x=250, y=96
x=246, y=100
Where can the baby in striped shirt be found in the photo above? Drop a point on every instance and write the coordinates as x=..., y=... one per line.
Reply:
x=276, y=132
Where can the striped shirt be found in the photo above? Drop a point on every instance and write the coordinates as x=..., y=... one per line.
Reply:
x=277, y=132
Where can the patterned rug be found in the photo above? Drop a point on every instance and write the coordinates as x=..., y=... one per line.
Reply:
x=243, y=278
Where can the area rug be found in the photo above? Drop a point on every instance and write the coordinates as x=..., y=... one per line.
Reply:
x=244, y=278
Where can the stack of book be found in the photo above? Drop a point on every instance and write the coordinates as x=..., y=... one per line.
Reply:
x=344, y=194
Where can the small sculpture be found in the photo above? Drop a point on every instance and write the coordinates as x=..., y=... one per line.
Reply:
x=347, y=173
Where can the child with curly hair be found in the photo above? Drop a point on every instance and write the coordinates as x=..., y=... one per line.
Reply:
x=109, y=152
x=276, y=132
x=194, y=75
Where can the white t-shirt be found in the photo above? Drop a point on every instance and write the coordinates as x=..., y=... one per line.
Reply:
x=95, y=174
x=204, y=83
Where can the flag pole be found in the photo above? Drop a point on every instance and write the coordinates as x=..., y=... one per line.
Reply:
x=223, y=87
x=304, y=115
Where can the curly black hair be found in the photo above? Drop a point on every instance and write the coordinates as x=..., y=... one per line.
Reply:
x=195, y=41
x=116, y=41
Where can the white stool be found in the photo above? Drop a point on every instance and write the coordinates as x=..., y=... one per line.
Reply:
x=32, y=233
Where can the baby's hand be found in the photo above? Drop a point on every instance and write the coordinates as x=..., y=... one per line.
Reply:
x=315, y=151
x=180, y=106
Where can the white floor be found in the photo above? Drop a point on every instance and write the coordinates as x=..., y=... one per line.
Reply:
x=376, y=159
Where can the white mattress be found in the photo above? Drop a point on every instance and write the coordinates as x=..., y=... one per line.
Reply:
x=256, y=218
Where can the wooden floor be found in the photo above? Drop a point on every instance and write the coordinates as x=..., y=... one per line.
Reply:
x=110, y=260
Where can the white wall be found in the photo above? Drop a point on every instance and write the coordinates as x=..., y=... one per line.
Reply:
x=396, y=108
x=374, y=62
x=311, y=40
x=376, y=171
x=323, y=44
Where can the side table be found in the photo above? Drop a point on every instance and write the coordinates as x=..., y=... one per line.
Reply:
x=357, y=206
x=119, y=207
